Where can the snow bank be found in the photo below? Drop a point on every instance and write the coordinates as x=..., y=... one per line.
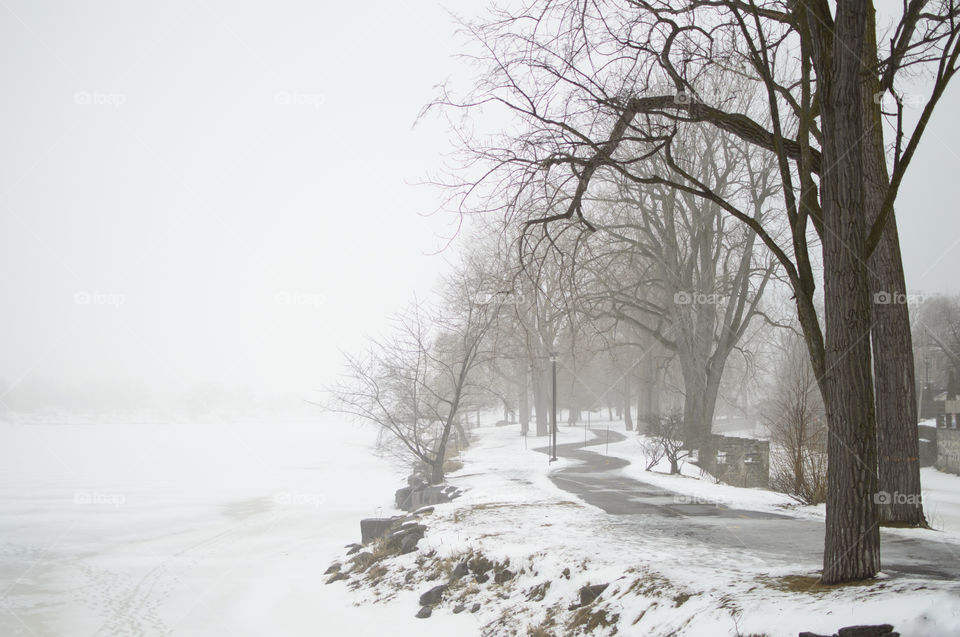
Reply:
x=665, y=577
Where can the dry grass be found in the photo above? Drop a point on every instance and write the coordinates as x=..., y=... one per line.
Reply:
x=590, y=620
x=811, y=584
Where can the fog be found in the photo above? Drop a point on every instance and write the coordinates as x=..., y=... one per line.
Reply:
x=221, y=195
x=212, y=192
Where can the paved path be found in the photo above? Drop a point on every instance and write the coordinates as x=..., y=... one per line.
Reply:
x=597, y=480
x=618, y=494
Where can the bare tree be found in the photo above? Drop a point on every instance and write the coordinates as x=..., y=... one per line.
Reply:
x=683, y=272
x=415, y=383
x=796, y=420
x=665, y=440
x=587, y=76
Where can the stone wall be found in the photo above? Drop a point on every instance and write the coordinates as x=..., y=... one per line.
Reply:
x=742, y=462
x=948, y=449
x=420, y=494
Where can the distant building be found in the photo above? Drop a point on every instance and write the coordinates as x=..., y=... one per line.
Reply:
x=948, y=436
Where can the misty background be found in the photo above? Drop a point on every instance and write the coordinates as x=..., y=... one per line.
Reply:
x=202, y=203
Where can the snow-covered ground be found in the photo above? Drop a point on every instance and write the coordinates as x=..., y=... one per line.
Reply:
x=941, y=491
x=664, y=579
x=941, y=500
x=226, y=529
x=189, y=529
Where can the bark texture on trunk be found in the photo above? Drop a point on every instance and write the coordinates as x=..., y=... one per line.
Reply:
x=898, y=443
x=627, y=404
x=852, y=542
x=523, y=399
x=541, y=399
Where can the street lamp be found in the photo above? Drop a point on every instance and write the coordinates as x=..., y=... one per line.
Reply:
x=553, y=361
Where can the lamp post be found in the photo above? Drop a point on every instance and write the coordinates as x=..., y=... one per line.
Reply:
x=553, y=362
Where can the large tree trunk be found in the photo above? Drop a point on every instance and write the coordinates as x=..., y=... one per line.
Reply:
x=627, y=403
x=898, y=444
x=541, y=399
x=642, y=401
x=440, y=454
x=653, y=388
x=852, y=542
x=700, y=390
x=523, y=398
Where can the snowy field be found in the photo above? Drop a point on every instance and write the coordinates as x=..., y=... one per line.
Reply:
x=200, y=529
x=189, y=529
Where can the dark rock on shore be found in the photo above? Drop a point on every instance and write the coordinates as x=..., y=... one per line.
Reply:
x=589, y=594
x=424, y=612
x=433, y=596
x=879, y=630
x=501, y=577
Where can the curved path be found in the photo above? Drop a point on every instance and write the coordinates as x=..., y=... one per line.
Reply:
x=597, y=480
x=621, y=495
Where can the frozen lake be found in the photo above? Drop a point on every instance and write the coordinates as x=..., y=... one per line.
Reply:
x=188, y=529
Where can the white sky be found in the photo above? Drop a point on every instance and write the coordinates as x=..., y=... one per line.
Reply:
x=188, y=186
x=148, y=156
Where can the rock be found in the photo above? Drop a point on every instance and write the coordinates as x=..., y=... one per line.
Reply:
x=353, y=548
x=336, y=578
x=459, y=608
x=475, y=608
x=424, y=511
x=375, y=528
x=589, y=594
x=503, y=576
x=482, y=578
x=362, y=560
x=404, y=540
x=460, y=570
x=401, y=497
x=424, y=612
x=566, y=573
x=538, y=592
x=433, y=596
x=333, y=568
x=879, y=630
x=409, y=540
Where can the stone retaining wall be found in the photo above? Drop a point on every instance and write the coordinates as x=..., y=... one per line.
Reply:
x=742, y=462
x=948, y=450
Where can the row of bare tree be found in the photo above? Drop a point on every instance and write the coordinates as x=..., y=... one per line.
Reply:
x=671, y=168
x=788, y=121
